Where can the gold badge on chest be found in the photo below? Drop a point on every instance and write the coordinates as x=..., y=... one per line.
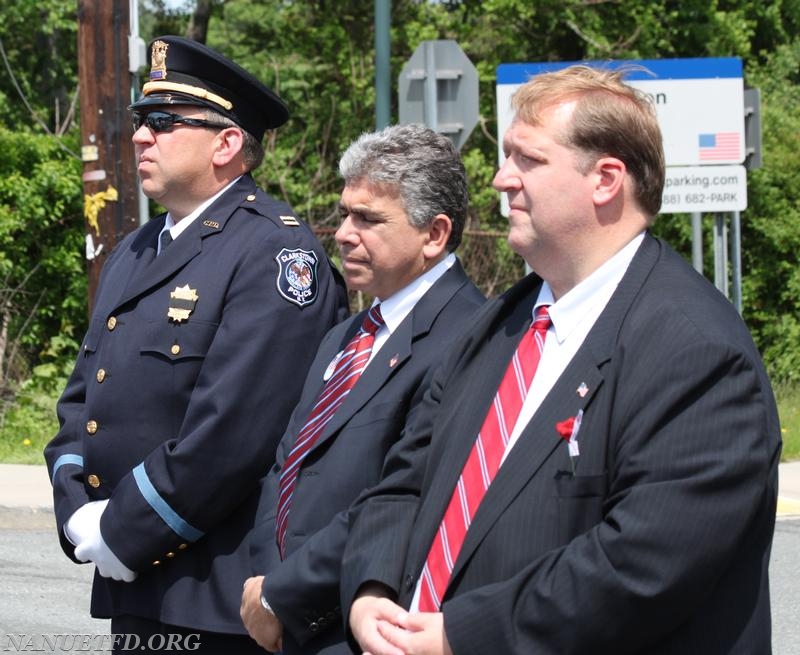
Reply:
x=182, y=302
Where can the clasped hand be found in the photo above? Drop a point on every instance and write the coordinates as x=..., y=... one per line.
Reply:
x=83, y=530
x=382, y=627
x=262, y=625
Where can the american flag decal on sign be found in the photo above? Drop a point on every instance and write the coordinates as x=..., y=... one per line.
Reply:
x=720, y=146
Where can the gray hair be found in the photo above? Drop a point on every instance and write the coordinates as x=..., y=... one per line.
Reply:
x=252, y=150
x=424, y=166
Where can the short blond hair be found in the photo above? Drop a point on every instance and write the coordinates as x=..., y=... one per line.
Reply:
x=611, y=118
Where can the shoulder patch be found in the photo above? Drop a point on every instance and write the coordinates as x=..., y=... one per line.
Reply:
x=297, y=275
x=290, y=220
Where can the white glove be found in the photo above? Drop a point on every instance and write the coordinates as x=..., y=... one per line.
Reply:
x=108, y=564
x=83, y=530
x=85, y=522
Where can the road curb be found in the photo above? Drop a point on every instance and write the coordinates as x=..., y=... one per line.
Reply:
x=27, y=518
x=788, y=507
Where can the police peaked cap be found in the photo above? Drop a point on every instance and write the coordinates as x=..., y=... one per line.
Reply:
x=185, y=72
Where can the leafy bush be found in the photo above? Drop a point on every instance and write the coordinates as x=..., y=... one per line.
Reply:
x=322, y=63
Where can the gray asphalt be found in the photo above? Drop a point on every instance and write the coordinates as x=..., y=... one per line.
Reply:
x=42, y=593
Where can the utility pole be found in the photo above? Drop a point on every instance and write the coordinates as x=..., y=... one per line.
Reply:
x=111, y=204
x=383, y=64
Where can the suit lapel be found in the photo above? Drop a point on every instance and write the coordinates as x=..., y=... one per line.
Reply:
x=487, y=358
x=181, y=251
x=149, y=272
x=372, y=379
x=537, y=443
x=397, y=349
x=574, y=391
x=130, y=264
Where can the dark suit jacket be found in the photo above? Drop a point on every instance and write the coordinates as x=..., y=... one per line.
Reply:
x=659, y=543
x=348, y=458
x=175, y=420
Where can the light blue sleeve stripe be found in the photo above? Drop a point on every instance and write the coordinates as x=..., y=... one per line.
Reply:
x=161, y=507
x=66, y=459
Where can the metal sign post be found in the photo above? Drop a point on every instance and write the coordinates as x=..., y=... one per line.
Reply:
x=438, y=87
x=702, y=110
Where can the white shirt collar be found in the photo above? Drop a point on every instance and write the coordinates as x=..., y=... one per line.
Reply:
x=397, y=306
x=175, y=229
x=592, y=293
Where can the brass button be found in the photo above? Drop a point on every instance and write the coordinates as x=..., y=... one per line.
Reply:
x=91, y=427
x=112, y=323
x=101, y=375
x=170, y=554
x=183, y=546
x=93, y=481
x=251, y=197
x=157, y=562
x=175, y=349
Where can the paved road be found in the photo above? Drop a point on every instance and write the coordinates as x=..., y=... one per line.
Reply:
x=784, y=578
x=43, y=593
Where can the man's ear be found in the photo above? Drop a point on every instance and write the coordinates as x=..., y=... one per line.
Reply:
x=610, y=175
x=438, y=234
x=229, y=143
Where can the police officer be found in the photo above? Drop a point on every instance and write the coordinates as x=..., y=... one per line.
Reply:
x=204, y=323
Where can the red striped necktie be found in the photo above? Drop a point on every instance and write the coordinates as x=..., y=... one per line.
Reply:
x=352, y=361
x=482, y=464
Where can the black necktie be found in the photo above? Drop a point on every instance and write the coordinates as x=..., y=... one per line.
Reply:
x=165, y=239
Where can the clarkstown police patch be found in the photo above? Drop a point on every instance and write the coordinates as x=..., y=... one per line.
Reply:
x=297, y=276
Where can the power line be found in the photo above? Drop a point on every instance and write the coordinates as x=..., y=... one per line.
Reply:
x=28, y=105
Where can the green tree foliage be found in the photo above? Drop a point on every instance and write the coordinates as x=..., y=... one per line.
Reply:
x=318, y=54
x=39, y=78
x=42, y=286
x=771, y=224
x=42, y=280
x=42, y=277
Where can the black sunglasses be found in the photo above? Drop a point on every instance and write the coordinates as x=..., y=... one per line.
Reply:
x=163, y=121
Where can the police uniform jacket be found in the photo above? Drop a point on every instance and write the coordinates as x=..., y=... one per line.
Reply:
x=185, y=381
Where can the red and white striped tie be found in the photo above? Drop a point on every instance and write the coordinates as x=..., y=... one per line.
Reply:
x=482, y=464
x=351, y=364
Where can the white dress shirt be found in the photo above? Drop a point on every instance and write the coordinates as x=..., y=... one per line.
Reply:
x=399, y=305
x=175, y=229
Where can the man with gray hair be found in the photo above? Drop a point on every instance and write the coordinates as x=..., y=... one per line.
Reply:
x=403, y=209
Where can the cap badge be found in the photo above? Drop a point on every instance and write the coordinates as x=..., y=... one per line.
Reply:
x=182, y=302
x=158, y=60
x=297, y=276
